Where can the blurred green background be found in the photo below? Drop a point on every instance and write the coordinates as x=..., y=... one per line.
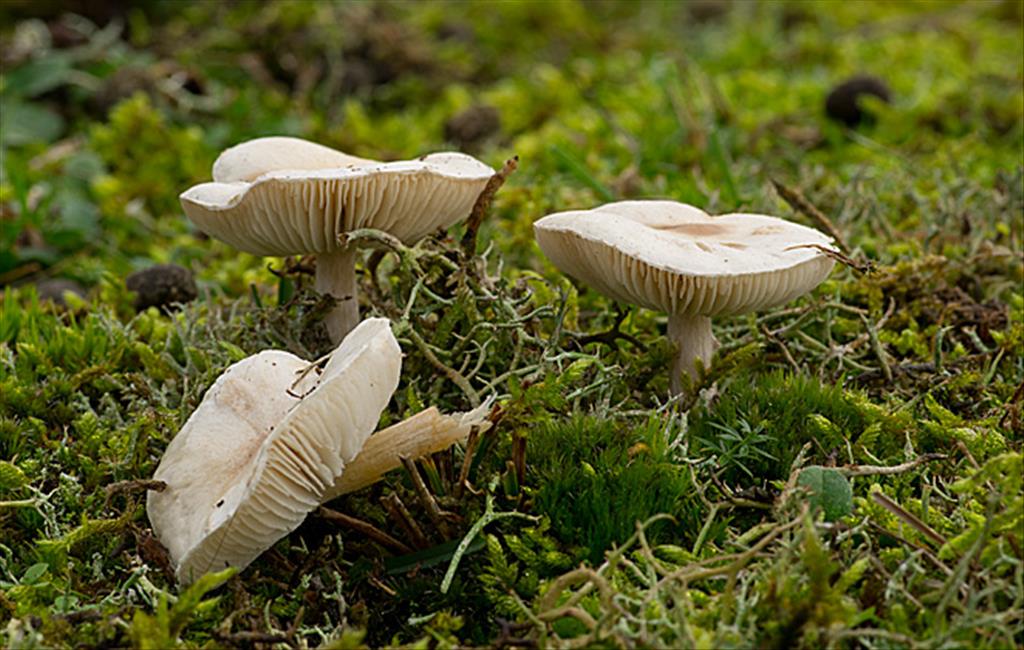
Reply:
x=701, y=102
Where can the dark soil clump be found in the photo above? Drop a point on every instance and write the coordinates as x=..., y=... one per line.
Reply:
x=162, y=286
x=843, y=102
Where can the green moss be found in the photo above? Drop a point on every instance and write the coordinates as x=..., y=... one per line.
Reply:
x=597, y=478
x=759, y=423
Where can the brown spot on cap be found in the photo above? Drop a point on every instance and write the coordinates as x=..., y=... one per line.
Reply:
x=695, y=229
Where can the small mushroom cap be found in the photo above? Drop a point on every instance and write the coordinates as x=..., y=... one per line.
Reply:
x=250, y=160
x=284, y=196
x=261, y=451
x=675, y=258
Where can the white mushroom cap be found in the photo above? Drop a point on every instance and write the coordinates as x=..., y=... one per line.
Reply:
x=261, y=451
x=285, y=196
x=675, y=258
x=250, y=160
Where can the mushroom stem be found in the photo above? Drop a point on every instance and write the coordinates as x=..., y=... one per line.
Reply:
x=336, y=276
x=424, y=433
x=694, y=340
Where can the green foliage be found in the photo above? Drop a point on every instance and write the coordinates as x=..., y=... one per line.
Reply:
x=998, y=514
x=163, y=628
x=790, y=410
x=145, y=155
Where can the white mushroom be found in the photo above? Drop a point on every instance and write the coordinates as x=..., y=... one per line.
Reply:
x=265, y=445
x=677, y=259
x=286, y=196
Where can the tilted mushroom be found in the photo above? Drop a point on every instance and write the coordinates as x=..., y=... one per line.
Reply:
x=676, y=258
x=274, y=437
x=264, y=446
x=285, y=196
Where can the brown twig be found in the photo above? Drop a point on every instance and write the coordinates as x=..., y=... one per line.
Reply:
x=884, y=470
x=397, y=510
x=974, y=462
x=302, y=373
x=483, y=204
x=132, y=485
x=363, y=527
x=136, y=485
x=305, y=265
x=426, y=498
x=908, y=518
x=782, y=346
x=610, y=336
x=917, y=547
x=519, y=458
x=842, y=258
x=467, y=460
x=799, y=202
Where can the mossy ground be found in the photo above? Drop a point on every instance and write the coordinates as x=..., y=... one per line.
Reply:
x=917, y=362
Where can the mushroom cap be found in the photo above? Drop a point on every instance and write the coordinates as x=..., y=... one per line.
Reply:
x=676, y=258
x=285, y=196
x=250, y=160
x=260, y=451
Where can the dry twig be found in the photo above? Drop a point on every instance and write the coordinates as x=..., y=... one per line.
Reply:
x=397, y=510
x=363, y=527
x=908, y=518
x=426, y=498
x=886, y=470
x=799, y=202
x=483, y=204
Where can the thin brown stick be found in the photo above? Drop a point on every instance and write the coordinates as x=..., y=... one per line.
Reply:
x=837, y=256
x=133, y=485
x=799, y=202
x=136, y=485
x=908, y=518
x=397, y=510
x=917, y=547
x=519, y=458
x=782, y=346
x=426, y=498
x=483, y=204
x=467, y=461
x=364, y=527
x=884, y=470
x=974, y=463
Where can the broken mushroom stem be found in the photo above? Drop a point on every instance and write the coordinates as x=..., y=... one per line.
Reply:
x=425, y=433
x=336, y=276
x=694, y=340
